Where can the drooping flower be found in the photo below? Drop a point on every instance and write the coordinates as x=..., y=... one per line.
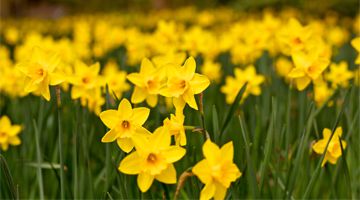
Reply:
x=8, y=133
x=333, y=151
x=217, y=170
x=123, y=124
x=175, y=126
x=153, y=159
x=39, y=71
x=183, y=83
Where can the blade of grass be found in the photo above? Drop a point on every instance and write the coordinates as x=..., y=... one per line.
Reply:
x=318, y=167
x=232, y=109
x=251, y=175
x=346, y=170
x=215, y=122
x=9, y=180
x=39, y=161
x=268, y=145
x=60, y=140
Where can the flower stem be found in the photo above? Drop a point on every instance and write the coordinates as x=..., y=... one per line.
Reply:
x=58, y=108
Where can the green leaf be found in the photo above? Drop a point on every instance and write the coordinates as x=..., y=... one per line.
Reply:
x=250, y=167
x=39, y=161
x=232, y=109
x=9, y=180
x=215, y=122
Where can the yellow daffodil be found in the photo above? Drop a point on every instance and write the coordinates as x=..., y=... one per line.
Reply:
x=339, y=75
x=217, y=170
x=333, y=151
x=283, y=67
x=8, y=133
x=147, y=83
x=183, y=83
x=115, y=79
x=123, y=124
x=153, y=159
x=85, y=79
x=322, y=92
x=212, y=70
x=39, y=72
x=356, y=44
x=175, y=126
x=234, y=84
x=308, y=66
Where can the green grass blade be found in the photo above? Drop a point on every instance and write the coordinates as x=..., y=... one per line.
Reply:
x=268, y=146
x=39, y=161
x=215, y=122
x=346, y=171
x=232, y=109
x=8, y=178
x=250, y=167
x=60, y=140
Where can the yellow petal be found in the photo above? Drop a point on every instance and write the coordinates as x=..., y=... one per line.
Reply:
x=168, y=175
x=5, y=122
x=110, y=136
x=207, y=192
x=125, y=109
x=144, y=181
x=56, y=78
x=302, y=82
x=202, y=171
x=131, y=164
x=319, y=146
x=160, y=139
x=137, y=79
x=125, y=144
x=326, y=133
x=138, y=95
x=211, y=151
x=146, y=67
x=44, y=90
x=14, y=141
x=189, y=98
x=189, y=68
x=338, y=132
x=227, y=151
x=174, y=153
x=140, y=115
x=296, y=73
x=109, y=118
x=220, y=192
x=14, y=130
x=179, y=105
x=152, y=100
x=199, y=83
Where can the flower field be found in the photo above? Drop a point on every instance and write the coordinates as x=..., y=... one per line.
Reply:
x=180, y=104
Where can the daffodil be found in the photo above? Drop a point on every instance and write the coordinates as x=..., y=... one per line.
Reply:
x=308, y=67
x=217, y=170
x=356, y=44
x=339, y=75
x=212, y=70
x=8, y=133
x=115, y=79
x=39, y=72
x=333, y=151
x=183, y=83
x=85, y=79
x=123, y=124
x=147, y=83
x=234, y=84
x=175, y=126
x=153, y=159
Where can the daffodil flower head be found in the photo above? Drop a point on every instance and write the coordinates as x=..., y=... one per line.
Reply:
x=333, y=152
x=39, y=72
x=175, y=127
x=183, y=83
x=124, y=123
x=217, y=171
x=153, y=159
x=8, y=133
x=148, y=83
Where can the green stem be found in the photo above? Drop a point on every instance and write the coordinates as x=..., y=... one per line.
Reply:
x=58, y=108
x=39, y=160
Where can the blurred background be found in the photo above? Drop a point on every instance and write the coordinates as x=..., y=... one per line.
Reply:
x=58, y=8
